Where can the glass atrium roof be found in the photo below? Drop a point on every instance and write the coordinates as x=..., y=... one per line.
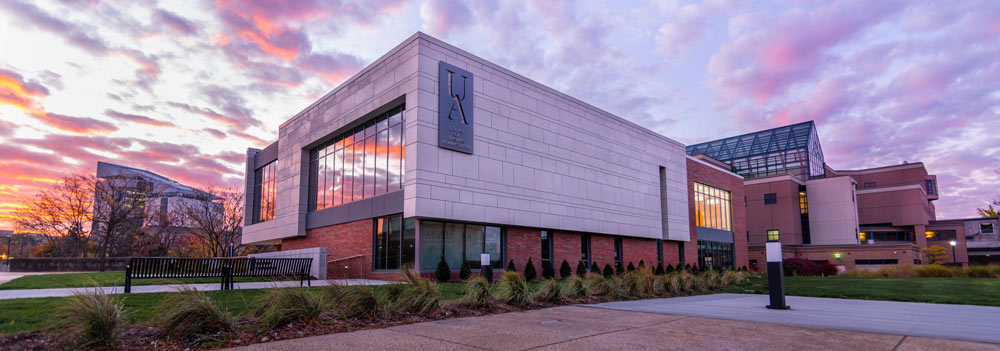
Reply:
x=790, y=137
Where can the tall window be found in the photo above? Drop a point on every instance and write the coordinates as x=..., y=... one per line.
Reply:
x=393, y=242
x=772, y=235
x=619, y=255
x=803, y=202
x=266, y=190
x=712, y=207
x=713, y=254
x=585, y=248
x=931, y=186
x=359, y=164
x=458, y=242
x=546, y=246
x=659, y=251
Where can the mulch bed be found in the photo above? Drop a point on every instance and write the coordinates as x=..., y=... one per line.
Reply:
x=245, y=330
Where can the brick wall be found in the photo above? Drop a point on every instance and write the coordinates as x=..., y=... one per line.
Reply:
x=638, y=249
x=602, y=247
x=699, y=172
x=523, y=243
x=341, y=240
x=566, y=246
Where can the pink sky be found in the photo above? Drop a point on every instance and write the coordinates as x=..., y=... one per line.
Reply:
x=182, y=88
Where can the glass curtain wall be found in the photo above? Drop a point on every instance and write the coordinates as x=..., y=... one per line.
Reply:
x=713, y=207
x=363, y=163
x=714, y=254
x=459, y=242
x=266, y=189
x=793, y=150
x=393, y=241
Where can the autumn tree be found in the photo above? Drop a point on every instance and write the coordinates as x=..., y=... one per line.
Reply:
x=936, y=254
x=215, y=221
x=62, y=213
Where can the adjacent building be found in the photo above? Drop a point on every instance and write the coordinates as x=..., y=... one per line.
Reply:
x=433, y=154
x=161, y=195
x=855, y=219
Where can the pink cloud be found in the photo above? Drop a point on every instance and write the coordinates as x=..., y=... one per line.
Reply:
x=139, y=119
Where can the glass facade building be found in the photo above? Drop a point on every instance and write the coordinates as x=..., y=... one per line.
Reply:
x=265, y=185
x=792, y=149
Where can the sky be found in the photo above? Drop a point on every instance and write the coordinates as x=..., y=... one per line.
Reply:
x=184, y=87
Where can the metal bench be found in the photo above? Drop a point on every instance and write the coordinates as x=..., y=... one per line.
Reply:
x=224, y=268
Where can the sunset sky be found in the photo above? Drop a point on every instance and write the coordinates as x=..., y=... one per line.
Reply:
x=182, y=88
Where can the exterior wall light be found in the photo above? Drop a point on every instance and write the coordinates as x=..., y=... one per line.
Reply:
x=836, y=255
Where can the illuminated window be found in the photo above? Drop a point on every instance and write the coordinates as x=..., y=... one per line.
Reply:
x=265, y=191
x=362, y=163
x=862, y=236
x=712, y=207
x=939, y=235
x=803, y=203
x=772, y=235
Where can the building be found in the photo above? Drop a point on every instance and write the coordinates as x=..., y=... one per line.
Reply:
x=161, y=194
x=855, y=219
x=432, y=153
x=983, y=240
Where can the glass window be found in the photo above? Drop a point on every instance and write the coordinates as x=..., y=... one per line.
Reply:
x=619, y=255
x=803, y=203
x=361, y=163
x=457, y=242
x=986, y=228
x=392, y=246
x=938, y=235
x=659, y=251
x=713, y=207
x=715, y=254
x=546, y=245
x=266, y=189
x=770, y=199
x=772, y=235
x=585, y=248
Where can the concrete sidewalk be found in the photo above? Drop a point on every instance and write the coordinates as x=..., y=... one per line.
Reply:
x=28, y=293
x=959, y=322
x=585, y=328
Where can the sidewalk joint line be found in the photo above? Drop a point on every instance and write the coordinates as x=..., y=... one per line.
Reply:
x=900, y=342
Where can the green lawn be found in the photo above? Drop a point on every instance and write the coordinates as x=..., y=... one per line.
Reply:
x=36, y=313
x=84, y=280
x=966, y=291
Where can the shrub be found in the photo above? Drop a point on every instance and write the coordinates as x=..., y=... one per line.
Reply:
x=711, y=280
x=642, y=263
x=548, y=272
x=619, y=268
x=734, y=277
x=564, y=270
x=477, y=293
x=513, y=289
x=936, y=254
x=687, y=267
x=659, y=269
x=189, y=312
x=686, y=282
x=979, y=272
x=581, y=269
x=529, y=271
x=630, y=284
x=801, y=267
x=90, y=319
x=630, y=267
x=594, y=268
x=574, y=287
x=356, y=301
x=934, y=271
x=283, y=306
x=862, y=273
x=421, y=296
x=995, y=269
x=443, y=272
x=608, y=272
x=897, y=271
x=464, y=272
x=673, y=284
x=511, y=267
x=597, y=285
x=828, y=269
x=669, y=269
x=549, y=291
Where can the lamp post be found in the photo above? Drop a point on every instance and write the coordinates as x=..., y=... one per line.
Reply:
x=954, y=260
x=775, y=276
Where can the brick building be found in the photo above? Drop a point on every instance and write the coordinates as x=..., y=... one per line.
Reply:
x=432, y=153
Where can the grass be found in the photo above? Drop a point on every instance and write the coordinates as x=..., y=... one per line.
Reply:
x=86, y=280
x=964, y=291
x=33, y=314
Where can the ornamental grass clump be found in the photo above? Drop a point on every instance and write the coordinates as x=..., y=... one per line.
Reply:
x=288, y=305
x=421, y=296
x=711, y=280
x=549, y=291
x=899, y=271
x=90, y=319
x=477, y=293
x=979, y=272
x=190, y=312
x=597, y=285
x=686, y=282
x=934, y=271
x=734, y=277
x=356, y=302
x=574, y=288
x=630, y=284
x=513, y=290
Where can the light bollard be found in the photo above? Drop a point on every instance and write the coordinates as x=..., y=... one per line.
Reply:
x=775, y=276
x=485, y=267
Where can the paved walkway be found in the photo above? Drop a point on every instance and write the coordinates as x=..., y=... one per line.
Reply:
x=960, y=322
x=27, y=293
x=585, y=328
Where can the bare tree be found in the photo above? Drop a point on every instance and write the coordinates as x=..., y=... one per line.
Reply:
x=215, y=221
x=119, y=212
x=63, y=214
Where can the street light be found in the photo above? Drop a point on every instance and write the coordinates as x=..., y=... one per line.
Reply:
x=954, y=260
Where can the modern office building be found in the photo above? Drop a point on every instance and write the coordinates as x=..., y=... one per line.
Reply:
x=431, y=153
x=983, y=239
x=161, y=194
x=854, y=219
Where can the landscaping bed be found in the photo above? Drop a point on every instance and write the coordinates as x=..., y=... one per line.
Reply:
x=199, y=320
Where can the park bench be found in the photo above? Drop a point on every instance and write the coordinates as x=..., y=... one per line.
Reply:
x=224, y=268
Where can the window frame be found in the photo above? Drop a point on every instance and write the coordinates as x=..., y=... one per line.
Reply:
x=983, y=225
x=770, y=199
x=777, y=235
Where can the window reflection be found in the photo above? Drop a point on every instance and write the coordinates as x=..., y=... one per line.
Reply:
x=362, y=163
x=265, y=187
x=712, y=207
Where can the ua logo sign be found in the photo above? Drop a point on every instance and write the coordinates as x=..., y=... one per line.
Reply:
x=457, y=93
